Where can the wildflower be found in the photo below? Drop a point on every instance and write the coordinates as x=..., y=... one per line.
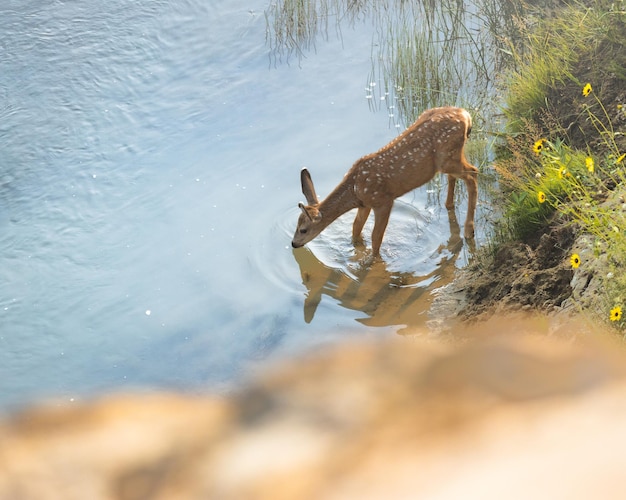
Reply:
x=620, y=159
x=575, y=260
x=562, y=172
x=538, y=175
x=616, y=313
x=538, y=146
x=590, y=165
x=587, y=89
x=541, y=197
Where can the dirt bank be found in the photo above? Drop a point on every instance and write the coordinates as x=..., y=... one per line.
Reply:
x=536, y=273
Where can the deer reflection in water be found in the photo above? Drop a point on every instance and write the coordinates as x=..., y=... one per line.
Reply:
x=387, y=298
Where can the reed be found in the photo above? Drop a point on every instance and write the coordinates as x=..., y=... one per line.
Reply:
x=425, y=53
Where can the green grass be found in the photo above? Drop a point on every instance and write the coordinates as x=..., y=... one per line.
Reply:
x=550, y=51
x=564, y=160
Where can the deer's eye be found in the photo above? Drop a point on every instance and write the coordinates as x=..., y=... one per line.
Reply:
x=303, y=231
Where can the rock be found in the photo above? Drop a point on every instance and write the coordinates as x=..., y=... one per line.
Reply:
x=513, y=408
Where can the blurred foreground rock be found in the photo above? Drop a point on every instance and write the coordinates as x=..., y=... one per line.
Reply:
x=502, y=416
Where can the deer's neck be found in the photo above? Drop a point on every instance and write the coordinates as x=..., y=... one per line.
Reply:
x=340, y=201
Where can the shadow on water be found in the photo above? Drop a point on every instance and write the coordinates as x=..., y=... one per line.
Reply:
x=388, y=298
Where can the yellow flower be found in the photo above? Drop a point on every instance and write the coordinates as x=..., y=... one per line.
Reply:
x=575, y=260
x=562, y=172
x=621, y=158
x=541, y=197
x=587, y=89
x=616, y=313
x=538, y=146
x=589, y=163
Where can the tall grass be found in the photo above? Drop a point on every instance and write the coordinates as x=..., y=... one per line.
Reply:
x=425, y=58
x=292, y=26
x=424, y=53
x=545, y=58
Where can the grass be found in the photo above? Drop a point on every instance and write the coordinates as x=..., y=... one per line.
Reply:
x=425, y=53
x=424, y=58
x=567, y=184
x=564, y=161
x=550, y=53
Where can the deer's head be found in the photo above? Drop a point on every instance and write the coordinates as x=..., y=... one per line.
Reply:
x=310, y=220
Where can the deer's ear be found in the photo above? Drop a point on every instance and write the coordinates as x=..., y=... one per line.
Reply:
x=304, y=210
x=313, y=214
x=308, y=190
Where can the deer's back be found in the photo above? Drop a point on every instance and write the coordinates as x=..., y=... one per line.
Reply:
x=413, y=158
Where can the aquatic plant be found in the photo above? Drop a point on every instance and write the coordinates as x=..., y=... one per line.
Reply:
x=424, y=53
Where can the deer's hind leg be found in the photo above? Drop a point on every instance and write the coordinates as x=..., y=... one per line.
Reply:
x=459, y=168
x=470, y=176
x=381, y=218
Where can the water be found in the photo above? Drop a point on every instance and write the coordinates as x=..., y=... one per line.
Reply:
x=149, y=176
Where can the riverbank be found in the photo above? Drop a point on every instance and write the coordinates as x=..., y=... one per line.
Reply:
x=561, y=244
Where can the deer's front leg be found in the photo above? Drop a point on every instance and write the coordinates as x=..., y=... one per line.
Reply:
x=450, y=197
x=361, y=217
x=381, y=217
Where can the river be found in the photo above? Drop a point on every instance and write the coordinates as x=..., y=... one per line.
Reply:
x=149, y=178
